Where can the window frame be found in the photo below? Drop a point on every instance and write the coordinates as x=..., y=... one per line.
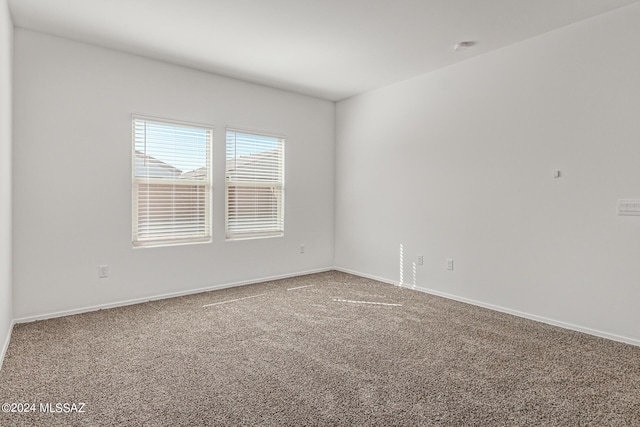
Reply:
x=207, y=236
x=234, y=236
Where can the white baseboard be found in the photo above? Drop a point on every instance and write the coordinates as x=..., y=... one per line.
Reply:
x=594, y=332
x=367, y=276
x=553, y=322
x=163, y=296
x=5, y=345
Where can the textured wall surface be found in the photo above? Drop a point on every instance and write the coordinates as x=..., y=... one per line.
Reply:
x=458, y=164
x=72, y=176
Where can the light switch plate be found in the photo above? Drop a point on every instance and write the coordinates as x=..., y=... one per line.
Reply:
x=629, y=207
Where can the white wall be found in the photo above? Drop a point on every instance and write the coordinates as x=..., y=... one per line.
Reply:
x=72, y=169
x=6, y=63
x=458, y=164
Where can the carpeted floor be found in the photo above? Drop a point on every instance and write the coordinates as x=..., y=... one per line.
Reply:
x=323, y=349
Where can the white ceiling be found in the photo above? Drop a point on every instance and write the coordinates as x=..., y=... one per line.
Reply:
x=331, y=49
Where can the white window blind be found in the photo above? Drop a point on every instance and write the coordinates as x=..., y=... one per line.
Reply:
x=171, y=182
x=254, y=185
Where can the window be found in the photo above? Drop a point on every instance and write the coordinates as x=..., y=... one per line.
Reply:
x=171, y=182
x=254, y=185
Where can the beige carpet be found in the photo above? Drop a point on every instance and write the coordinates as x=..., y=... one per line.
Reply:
x=323, y=349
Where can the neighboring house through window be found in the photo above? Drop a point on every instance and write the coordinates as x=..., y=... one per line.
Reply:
x=254, y=185
x=171, y=182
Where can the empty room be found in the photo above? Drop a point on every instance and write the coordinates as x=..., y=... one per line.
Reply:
x=319, y=212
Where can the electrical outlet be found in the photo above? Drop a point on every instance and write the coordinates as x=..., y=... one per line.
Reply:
x=103, y=271
x=449, y=264
x=420, y=260
x=302, y=248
